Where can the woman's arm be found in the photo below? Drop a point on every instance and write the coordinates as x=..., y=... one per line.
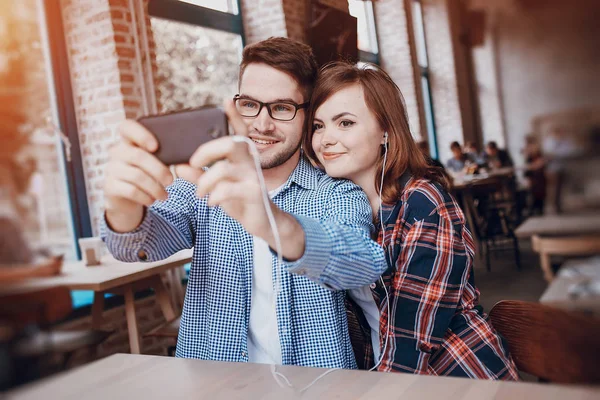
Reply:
x=433, y=266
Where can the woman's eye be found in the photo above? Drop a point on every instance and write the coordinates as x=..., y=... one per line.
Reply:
x=346, y=123
x=317, y=127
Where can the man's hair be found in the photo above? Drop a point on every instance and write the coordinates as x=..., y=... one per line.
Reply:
x=492, y=145
x=286, y=55
x=454, y=145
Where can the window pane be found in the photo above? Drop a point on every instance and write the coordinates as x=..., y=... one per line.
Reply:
x=229, y=6
x=196, y=65
x=428, y=108
x=363, y=12
x=419, y=31
x=45, y=205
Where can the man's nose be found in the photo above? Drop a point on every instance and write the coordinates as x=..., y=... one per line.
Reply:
x=263, y=121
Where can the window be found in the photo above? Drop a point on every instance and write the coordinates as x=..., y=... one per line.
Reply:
x=228, y=6
x=47, y=204
x=198, y=51
x=423, y=66
x=54, y=203
x=368, y=49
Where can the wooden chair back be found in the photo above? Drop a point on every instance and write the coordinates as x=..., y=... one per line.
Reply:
x=553, y=344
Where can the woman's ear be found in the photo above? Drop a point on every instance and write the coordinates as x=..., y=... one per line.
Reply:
x=384, y=141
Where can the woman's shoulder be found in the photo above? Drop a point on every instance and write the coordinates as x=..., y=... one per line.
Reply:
x=424, y=198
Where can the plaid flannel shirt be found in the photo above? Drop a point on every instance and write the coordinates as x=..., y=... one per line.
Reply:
x=311, y=317
x=436, y=324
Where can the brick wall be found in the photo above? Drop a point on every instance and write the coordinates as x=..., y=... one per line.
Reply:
x=548, y=58
x=264, y=21
x=96, y=81
x=109, y=74
x=488, y=91
x=396, y=58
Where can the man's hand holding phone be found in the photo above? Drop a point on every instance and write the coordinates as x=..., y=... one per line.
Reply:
x=134, y=177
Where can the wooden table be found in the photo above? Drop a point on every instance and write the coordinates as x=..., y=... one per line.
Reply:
x=124, y=376
x=557, y=293
x=474, y=180
x=560, y=225
x=117, y=277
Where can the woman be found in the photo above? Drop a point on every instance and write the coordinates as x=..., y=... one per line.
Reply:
x=435, y=325
x=535, y=174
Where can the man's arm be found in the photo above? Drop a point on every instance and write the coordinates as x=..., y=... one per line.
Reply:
x=338, y=251
x=167, y=227
x=147, y=216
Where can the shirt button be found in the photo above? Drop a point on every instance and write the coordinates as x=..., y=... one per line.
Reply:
x=373, y=285
x=244, y=354
x=142, y=255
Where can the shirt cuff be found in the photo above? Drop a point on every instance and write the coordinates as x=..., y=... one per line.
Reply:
x=128, y=247
x=317, y=251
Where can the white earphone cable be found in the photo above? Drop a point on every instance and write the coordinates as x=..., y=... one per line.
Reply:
x=279, y=377
x=387, y=295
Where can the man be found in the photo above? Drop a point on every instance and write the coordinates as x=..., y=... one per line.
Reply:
x=459, y=159
x=472, y=153
x=496, y=158
x=324, y=225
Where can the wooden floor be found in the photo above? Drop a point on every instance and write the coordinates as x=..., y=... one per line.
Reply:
x=505, y=282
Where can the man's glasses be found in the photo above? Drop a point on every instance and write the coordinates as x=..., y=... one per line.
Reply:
x=278, y=110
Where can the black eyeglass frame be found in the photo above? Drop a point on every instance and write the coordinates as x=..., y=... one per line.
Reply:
x=297, y=107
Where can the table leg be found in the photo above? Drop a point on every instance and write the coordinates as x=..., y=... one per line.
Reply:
x=172, y=283
x=180, y=294
x=163, y=298
x=132, y=327
x=467, y=202
x=98, y=310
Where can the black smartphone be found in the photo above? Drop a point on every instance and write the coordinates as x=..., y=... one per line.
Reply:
x=180, y=133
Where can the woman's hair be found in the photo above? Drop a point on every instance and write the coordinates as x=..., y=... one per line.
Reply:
x=385, y=101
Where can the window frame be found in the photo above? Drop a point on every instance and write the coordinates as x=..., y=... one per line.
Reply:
x=367, y=56
x=67, y=121
x=423, y=77
x=180, y=11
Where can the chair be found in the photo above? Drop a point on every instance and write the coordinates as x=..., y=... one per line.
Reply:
x=169, y=329
x=553, y=344
x=491, y=222
x=563, y=246
x=41, y=308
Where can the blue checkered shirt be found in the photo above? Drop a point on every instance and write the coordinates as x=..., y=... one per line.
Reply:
x=311, y=316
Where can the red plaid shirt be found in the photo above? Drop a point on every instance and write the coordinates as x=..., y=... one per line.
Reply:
x=437, y=326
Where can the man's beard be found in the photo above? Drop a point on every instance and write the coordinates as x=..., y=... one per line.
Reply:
x=278, y=159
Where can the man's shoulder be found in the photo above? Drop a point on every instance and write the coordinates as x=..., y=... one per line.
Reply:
x=321, y=183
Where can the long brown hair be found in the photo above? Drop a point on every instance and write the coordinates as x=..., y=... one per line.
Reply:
x=385, y=101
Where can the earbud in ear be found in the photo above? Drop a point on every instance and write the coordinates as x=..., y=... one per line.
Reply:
x=385, y=138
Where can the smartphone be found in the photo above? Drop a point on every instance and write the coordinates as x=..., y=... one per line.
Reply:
x=180, y=133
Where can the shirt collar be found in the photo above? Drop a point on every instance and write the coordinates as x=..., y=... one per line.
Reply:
x=304, y=175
